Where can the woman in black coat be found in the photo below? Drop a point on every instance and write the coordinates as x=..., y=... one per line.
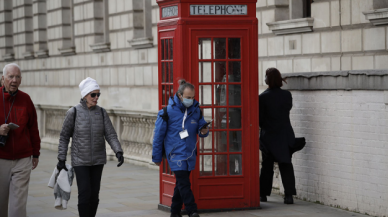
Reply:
x=276, y=136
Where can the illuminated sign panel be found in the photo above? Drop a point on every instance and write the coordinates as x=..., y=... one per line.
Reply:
x=218, y=9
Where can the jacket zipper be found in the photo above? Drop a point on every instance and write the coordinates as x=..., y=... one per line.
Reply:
x=91, y=137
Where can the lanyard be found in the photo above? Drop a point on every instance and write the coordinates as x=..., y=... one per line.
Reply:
x=184, y=119
x=6, y=119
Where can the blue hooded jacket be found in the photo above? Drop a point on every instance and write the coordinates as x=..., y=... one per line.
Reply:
x=181, y=153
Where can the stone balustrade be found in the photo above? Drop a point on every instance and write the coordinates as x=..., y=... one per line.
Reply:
x=135, y=131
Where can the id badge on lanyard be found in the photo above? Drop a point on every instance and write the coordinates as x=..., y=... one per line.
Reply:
x=184, y=134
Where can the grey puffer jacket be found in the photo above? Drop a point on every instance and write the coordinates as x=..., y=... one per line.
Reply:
x=88, y=132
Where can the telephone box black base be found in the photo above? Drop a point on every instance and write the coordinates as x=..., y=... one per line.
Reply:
x=183, y=212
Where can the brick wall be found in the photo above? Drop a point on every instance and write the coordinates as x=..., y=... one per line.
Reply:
x=345, y=161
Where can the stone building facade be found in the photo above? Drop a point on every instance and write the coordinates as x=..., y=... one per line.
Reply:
x=334, y=53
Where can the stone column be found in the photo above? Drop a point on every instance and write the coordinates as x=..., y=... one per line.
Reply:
x=60, y=27
x=23, y=29
x=40, y=28
x=6, y=31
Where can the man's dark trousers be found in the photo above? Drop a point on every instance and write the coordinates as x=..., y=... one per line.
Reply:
x=183, y=193
x=266, y=176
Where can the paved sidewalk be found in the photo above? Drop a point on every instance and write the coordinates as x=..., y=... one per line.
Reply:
x=134, y=191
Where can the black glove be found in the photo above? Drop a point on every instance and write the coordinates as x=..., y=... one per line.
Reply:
x=61, y=165
x=120, y=158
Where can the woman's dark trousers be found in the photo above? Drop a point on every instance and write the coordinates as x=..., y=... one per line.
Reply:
x=183, y=193
x=88, y=182
x=266, y=176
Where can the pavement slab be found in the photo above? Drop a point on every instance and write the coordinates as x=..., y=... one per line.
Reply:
x=132, y=190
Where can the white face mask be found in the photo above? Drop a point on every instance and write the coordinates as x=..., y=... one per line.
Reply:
x=187, y=102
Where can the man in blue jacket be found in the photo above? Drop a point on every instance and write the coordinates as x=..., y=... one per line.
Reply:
x=177, y=134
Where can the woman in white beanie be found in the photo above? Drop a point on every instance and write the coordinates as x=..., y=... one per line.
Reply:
x=89, y=126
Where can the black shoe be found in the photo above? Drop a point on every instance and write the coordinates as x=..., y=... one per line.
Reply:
x=263, y=198
x=175, y=215
x=194, y=215
x=288, y=199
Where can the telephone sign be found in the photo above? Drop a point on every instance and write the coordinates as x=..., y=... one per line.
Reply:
x=218, y=9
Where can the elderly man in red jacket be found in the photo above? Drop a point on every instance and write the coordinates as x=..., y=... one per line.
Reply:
x=19, y=148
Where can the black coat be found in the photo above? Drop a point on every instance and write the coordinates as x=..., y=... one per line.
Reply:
x=277, y=135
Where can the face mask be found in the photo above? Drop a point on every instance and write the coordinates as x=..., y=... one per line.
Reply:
x=187, y=102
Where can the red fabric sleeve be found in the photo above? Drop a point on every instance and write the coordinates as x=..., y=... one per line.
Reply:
x=32, y=126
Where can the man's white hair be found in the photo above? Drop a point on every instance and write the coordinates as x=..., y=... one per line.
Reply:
x=10, y=64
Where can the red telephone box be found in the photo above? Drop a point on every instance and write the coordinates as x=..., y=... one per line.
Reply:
x=214, y=45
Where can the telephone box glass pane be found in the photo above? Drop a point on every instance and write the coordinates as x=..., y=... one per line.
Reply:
x=205, y=145
x=163, y=73
x=235, y=164
x=205, y=95
x=220, y=141
x=235, y=118
x=171, y=49
x=235, y=144
x=205, y=165
x=234, y=72
x=204, y=48
x=220, y=95
x=219, y=118
x=219, y=48
x=235, y=94
x=167, y=72
x=171, y=72
x=205, y=72
x=167, y=50
x=219, y=71
x=168, y=87
x=220, y=167
x=162, y=50
x=234, y=49
x=163, y=95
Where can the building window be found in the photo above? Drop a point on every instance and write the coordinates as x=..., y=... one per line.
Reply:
x=307, y=8
x=101, y=19
x=143, y=38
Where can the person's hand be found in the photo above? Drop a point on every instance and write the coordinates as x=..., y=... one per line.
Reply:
x=35, y=162
x=120, y=158
x=4, y=129
x=61, y=165
x=157, y=163
x=204, y=130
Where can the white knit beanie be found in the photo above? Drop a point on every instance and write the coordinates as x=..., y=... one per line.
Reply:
x=88, y=85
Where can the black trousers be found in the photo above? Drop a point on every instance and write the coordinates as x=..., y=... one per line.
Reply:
x=88, y=182
x=266, y=176
x=183, y=193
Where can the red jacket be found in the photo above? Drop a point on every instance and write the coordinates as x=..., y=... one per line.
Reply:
x=23, y=141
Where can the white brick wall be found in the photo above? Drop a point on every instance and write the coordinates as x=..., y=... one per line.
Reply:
x=345, y=161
